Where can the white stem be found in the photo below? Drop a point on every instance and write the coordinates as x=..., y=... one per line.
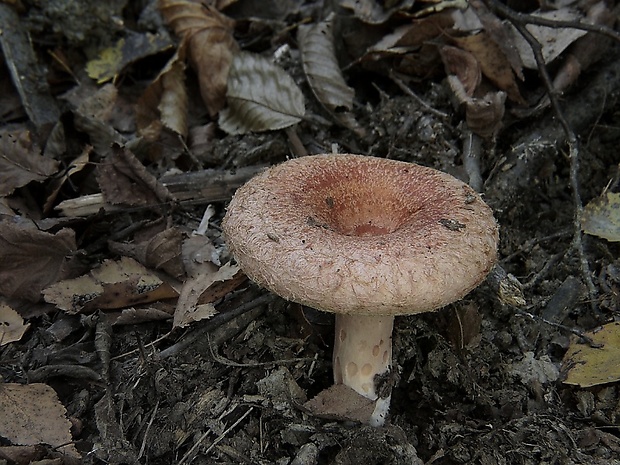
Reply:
x=362, y=350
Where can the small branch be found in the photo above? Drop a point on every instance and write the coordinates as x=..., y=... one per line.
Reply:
x=523, y=18
x=571, y=140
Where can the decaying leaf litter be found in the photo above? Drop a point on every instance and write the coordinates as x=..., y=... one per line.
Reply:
x=126, y=128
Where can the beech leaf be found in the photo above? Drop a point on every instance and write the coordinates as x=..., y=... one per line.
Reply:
x=164, y=102
x=32, y=259
x=209, y=36
x=115, y=284
x=261, y=97
x=21, y=162
x=31, y=414
x=552, y=40
x=320, y=64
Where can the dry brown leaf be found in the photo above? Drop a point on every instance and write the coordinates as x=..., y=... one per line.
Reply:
x=484, y=115
x=340, y=402
x=374, y=12
x=552, y=40
x=493, y=63
x=135, y=315
x=261, y=97
x=161, y=251
x=164, y=102
x=32, y=259
x=23, y=454
x=211, y=44
x=463, y=328
x=586, y=50
x=12, y=326
x=21, y=162
x=93, y=108
x=116, y=284
x=31, y=414
x=463, y=65
x=498, y=33
x=318, y=53
x=191, y=306
x=408, y=37
x=125, y=181
x=75, y=166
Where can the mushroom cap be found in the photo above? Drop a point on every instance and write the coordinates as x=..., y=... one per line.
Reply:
x=361, y=235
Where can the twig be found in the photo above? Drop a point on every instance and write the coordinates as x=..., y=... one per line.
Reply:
x=472, y=150
x=571, y=140
x=219, y=439
x=523, y=18
x=148, y=428
x=213, y=323
x=228, y=430
x=575, y=331
x=399, y=82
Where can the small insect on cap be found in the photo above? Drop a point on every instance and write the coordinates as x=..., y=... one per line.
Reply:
x=361, y=235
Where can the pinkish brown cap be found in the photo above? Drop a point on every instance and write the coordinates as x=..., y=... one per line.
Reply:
x=361, y=235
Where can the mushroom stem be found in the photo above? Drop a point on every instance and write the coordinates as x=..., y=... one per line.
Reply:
x=362, y=350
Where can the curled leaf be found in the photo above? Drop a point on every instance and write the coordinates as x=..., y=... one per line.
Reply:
x=209, y=35
x=164, y=102
x=261, y=97
x=21, y=162
x=316, y=42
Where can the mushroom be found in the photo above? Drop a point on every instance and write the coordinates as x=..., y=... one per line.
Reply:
x=367, y=239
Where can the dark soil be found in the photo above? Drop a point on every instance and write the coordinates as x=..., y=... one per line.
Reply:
x=479, y=382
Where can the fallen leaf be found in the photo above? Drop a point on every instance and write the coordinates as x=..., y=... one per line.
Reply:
x=92, y=109
x=12, y=326
x=164, y=102
x=340, y=402
x=373, y=12
x=463, y=65
x=318, y=54
x=601, y=217
x=32, y=259
x=261, y=97
x=31, y=414
x=135, y=315
x=190, y=307
x=160, y=250
x=493, y=63
x=21, y=162
x=405, y=38
x=595, y=363
x=115, y=284
x=495, y=29
x=124, y=180
x=77, y=165
x=112, y=60
x=530, y=368
x=552, y=40
x=209, y=35
x=484, y=115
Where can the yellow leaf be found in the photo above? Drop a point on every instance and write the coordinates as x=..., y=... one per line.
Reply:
x=601, y=217
x=595, y=363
